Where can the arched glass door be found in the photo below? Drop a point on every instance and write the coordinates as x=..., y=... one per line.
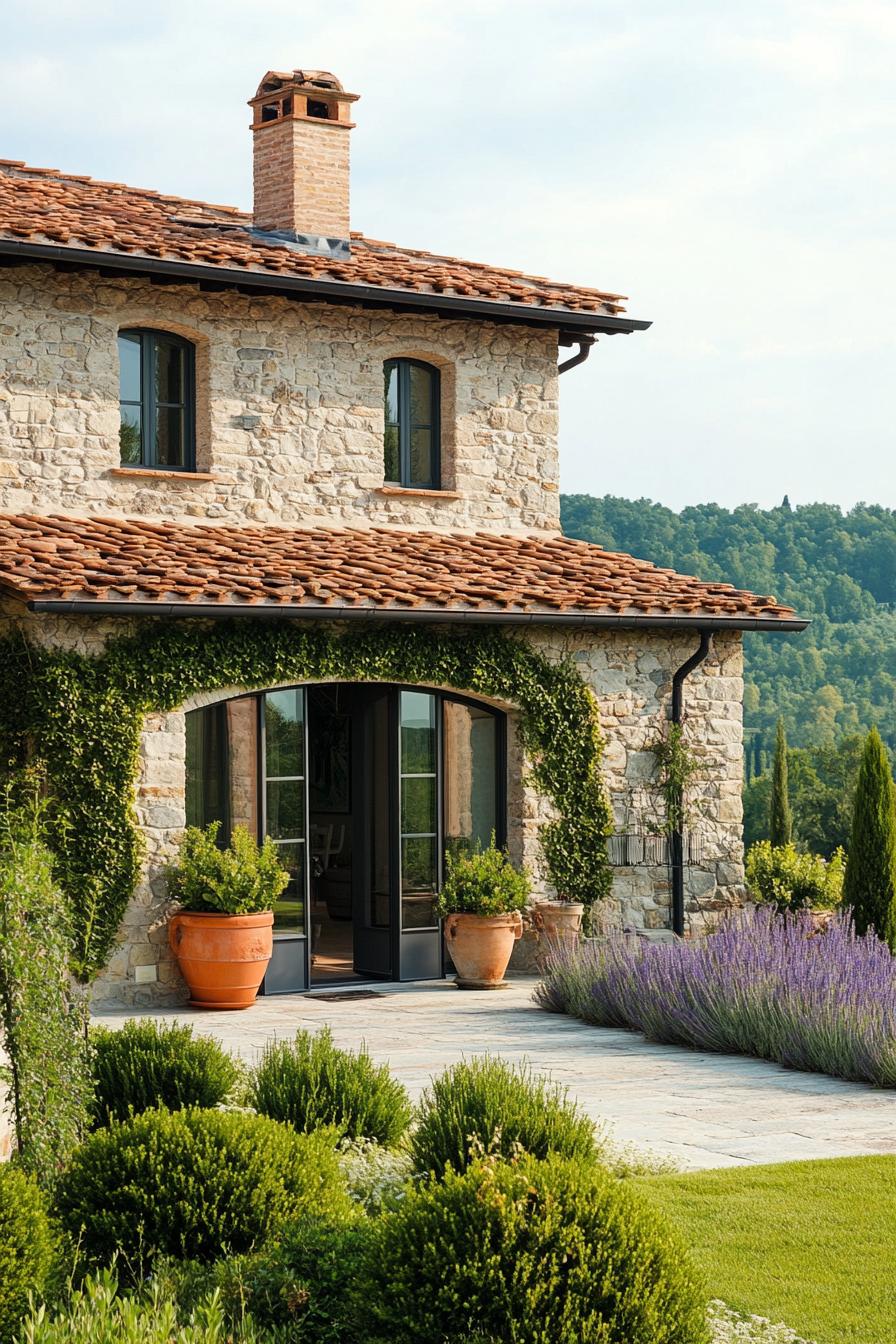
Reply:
x=364, y=789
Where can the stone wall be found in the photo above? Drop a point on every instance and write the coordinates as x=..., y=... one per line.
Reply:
x=289, y=409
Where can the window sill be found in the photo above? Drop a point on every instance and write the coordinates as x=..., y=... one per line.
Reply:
x=417, y=492
x=154, y=474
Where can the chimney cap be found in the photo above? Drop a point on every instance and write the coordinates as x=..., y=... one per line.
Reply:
x=321, y=81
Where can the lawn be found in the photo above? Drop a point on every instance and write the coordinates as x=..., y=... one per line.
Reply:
x=808, y=1243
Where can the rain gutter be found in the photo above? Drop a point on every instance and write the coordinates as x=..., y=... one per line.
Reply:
x=676, y=836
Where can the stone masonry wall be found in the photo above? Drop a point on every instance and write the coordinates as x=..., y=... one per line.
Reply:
x=289, y=410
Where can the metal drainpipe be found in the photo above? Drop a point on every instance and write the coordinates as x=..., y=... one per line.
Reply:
x=584, y=343
x=676, y=838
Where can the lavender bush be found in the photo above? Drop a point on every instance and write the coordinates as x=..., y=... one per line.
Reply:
x=765, y=984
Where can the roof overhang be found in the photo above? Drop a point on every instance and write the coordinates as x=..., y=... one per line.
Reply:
x=162, y=270
x=440, y=616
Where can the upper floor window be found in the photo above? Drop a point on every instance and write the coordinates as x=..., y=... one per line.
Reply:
x=411, y=394
x=157, y=400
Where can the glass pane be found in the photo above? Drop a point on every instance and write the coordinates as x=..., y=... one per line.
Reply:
x=286, y=809
x=129, y=435
x=421, y=395
x=421, y=472
x=418, y=805
x=169, y=371
x=377, y=903
x=284, y=733
x=471, y=777
x=170, y=436
x=418, y=883
x=390, y=393
x=206, y=760
x=391, y=454
x=289, y=908
x=129, y=362
x=418, y=733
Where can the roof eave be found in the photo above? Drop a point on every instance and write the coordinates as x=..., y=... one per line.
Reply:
x=426, y=615
x=333, y=291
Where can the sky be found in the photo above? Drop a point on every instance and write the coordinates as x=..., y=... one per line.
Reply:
x=727, y=164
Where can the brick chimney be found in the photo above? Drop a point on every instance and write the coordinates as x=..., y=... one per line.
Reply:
x=300, y=130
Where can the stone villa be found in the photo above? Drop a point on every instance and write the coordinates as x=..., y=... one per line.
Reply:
x=269, y=422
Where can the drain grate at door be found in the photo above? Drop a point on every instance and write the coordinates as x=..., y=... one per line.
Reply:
x=346, y=995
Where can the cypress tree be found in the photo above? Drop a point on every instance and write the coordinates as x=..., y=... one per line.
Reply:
x=780, y=818
x=869, y=887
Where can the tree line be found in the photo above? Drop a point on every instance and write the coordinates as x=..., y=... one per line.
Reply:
x=834, y=680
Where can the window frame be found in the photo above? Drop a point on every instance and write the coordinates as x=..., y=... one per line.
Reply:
x=148, y=405
x=405, y=427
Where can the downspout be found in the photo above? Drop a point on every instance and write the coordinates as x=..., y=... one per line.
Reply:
x=676, y=836
x=584, y=343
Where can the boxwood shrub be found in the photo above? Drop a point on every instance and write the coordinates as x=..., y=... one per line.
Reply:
x=26, y=1246
x=309, y=1082
x=194, y=1184
x=146, y=1064
x=528, y=1252
x=484, y=1105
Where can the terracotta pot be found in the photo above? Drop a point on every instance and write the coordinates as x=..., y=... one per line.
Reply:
x=223, y=958
x=480, y=947
x=559, y=921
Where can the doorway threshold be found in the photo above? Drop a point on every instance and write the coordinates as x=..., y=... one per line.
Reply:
x=343, y=995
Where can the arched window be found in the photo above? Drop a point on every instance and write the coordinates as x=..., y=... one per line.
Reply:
x=411, y=397
x=157, y=400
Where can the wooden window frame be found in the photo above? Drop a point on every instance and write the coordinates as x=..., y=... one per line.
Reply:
x=405, y=427
x=149, y=337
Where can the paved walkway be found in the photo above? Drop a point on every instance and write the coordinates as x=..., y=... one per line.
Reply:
x=702, y=1110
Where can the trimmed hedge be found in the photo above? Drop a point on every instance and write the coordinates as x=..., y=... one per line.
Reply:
x=310, y=1082
x=486, y=1106
x=195, y=1184
x=530, y=1253
x=147, y=1064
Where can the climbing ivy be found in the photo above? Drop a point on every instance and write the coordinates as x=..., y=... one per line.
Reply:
x=82, y=717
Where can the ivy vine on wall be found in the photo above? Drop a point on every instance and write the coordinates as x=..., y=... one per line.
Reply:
x=82, y=717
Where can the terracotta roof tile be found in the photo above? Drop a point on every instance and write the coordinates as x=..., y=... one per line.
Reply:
x=128, y=560
x=46, y=206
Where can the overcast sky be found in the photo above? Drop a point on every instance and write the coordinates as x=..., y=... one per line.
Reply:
x=728, y=164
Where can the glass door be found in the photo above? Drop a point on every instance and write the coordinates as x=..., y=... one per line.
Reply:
x=419, y=834
x=285, y=819
x=373, y=873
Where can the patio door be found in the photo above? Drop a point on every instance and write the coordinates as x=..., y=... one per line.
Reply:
x=363, y=788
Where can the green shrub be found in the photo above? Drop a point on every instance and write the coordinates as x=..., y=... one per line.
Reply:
x=311, y=1082
x=528, y=1252
x=26, y=1246
x=42, y=1010
x=194, y=1184
x=97, y=1315
x=300, y=1285
x=146, y=1064
x=483, y=882
x=781, y=876
x=485, y=1105
x=870, y=886
x=243, y=879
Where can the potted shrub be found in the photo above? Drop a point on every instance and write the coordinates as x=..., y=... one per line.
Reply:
x=481, y=903
x=222, y=936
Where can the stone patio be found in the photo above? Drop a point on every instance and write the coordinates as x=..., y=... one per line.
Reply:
x=701, y=1110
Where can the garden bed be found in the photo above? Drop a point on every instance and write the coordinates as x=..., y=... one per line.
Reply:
x=765, y=984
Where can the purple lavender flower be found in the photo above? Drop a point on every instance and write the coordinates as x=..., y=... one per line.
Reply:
x=764, y=984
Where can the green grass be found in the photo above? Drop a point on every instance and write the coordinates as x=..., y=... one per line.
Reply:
x=808, y=1243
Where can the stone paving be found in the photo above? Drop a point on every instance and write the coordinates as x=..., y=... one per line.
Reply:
x=701, y=1110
